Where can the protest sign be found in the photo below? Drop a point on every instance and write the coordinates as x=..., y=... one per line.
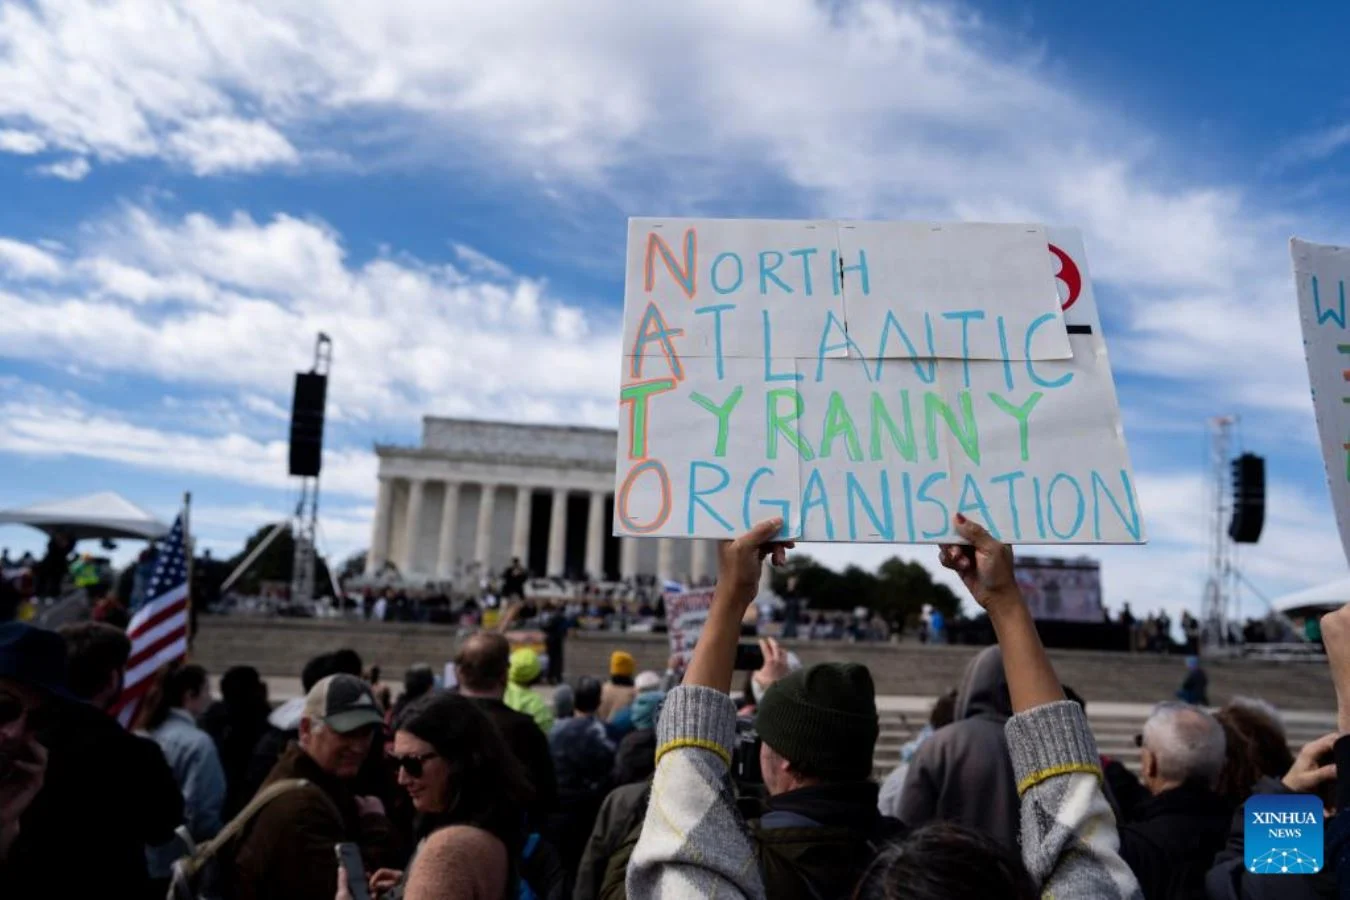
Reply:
x=866, y=381
x=1320, y=274
x=686, y=611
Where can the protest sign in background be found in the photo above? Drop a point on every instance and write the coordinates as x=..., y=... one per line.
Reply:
x=866, y=381
x=1320, y=274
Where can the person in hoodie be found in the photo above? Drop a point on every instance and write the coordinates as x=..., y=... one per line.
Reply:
x=963, y=773
x=940, y=716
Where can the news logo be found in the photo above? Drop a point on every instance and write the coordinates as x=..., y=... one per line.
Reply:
x=1283, y=834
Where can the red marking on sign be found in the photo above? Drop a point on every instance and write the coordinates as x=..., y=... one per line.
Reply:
x=1069, y=274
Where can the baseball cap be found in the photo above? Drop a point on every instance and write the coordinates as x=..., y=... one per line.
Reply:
x=344, y=703
x=34, y=656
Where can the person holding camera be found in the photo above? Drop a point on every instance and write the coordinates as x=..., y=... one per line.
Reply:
x=695, y=844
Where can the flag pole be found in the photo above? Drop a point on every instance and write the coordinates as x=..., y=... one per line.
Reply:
x=188, y=546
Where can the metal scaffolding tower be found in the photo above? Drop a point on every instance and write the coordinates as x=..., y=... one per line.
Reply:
x=307, y=509
x=1222, y=585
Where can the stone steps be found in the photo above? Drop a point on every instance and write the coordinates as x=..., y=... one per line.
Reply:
x=1120, y=684
x=281, y=646
x=1114, y=734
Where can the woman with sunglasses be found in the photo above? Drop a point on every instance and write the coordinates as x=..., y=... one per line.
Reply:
x=470, y=795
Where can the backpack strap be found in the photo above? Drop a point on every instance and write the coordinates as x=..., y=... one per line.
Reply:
x=203, y=854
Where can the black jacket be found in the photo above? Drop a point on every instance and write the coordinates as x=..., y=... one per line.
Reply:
x=963, y=773
x=1173, y=840
x=1229, y=879
x=811, y=844
x=236, y=733
x=815, y=843
x=530, y=747
x=107, y=794
x=635, y=759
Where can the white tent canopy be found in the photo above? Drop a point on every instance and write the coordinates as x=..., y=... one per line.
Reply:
x=1325, y=596
x=103, y=515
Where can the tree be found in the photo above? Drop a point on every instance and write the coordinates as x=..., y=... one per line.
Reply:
x=275, y=564
x=353, y=565
x=898, y=590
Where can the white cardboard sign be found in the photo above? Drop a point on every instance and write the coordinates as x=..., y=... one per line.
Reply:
x=866, y=381
x=1320, y=275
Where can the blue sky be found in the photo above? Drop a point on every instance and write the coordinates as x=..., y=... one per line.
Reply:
x=192, y=191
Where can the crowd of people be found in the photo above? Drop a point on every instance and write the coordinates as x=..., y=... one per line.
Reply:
x=643, y=783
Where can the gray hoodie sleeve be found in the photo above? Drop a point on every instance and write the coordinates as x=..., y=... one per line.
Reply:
x=694, y=843
x=1069, y=839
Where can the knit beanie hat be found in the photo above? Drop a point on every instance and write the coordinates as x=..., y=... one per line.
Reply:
x=646, y=708
x=823, y=720
x=525, y=667
x=622, y=664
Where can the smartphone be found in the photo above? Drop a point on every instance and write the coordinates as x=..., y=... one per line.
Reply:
x=349, y=857
x=749, y=657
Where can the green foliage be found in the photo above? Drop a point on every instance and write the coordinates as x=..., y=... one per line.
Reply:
x=898, y=590
x=275, y=563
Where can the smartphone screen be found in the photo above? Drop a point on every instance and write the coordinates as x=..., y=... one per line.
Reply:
x=749, y=657
x=349, y=857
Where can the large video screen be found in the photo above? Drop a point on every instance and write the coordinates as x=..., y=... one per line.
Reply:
x=1066, y=589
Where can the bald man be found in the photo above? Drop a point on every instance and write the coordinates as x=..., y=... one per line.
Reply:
x=481, y=666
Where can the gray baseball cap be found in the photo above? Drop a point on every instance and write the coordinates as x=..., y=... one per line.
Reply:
x=344, y=703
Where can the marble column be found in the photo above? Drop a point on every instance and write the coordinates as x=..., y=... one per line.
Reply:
x=698, y=560
x=482, y=543
x=595, y=537
x=445, y=544
x=520, y=527
x=378, y=554
x=628, y=557
x=557, y=534
x=665, y=550
x=416, y=494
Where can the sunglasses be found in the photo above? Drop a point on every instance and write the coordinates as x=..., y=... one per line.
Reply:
x=412, y=764
x=1139, y=740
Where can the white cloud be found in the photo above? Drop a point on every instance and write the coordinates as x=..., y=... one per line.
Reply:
x=21, y=142
x=21, y=261
x=45, y=426
x=265, y=406
x=1314, y=146
x=863, y=108
x=73, y=169
x=479, y=263
x=226, y=144
x=235, y=304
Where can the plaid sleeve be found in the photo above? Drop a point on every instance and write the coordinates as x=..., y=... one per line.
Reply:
x=1069, y=840
x=694, y=843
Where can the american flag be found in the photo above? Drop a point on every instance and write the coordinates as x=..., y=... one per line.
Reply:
x=159, y=629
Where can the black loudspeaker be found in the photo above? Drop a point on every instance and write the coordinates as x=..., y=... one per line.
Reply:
x=307, y=423
x=1249, y=499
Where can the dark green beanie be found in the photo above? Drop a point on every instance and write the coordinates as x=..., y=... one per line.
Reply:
x=823, y=720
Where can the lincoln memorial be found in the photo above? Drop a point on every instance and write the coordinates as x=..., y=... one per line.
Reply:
x=484, y=492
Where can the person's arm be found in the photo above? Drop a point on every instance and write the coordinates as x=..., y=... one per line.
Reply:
x=204, y=790
x=1069, y=840
x=693, y=841
x=1336, y=640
